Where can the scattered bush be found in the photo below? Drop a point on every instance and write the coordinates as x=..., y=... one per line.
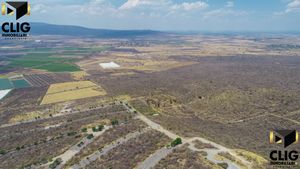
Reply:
x=114, y=122
x=100, y=127
x=78, y=136
x=55, y=163
x=80, y=144
x=72, y=133
x=176, y=142
x=90, y=136
x=43, y=161
x=223, y=165
x=2, y=152
x=84, y=130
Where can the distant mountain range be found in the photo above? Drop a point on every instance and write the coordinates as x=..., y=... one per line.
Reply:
x=49, y=29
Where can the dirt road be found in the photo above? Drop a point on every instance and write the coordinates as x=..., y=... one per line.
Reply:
x=154, y=159
x=93, y=157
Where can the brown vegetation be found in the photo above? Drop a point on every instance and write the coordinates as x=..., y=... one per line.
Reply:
x=129, y=154
x=184, y=158
x=34, y=143
x=108, y=137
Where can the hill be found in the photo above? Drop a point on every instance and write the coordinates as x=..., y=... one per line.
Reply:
x=49, y=29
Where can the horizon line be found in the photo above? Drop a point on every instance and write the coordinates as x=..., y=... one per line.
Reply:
x=182, y=31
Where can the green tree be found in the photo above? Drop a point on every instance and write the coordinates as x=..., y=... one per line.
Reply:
x=72, y=133
x=176, y=142
x=223, y=165
x=55, y=163
x=90, y=136
x=84, y=130
x=2, y=152
x=114, y=122
x=100, y=127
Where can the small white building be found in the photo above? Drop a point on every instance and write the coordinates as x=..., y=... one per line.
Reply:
x=110, y=65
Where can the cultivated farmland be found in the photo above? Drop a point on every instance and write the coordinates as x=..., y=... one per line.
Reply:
x=21, y=83
x=45, y=61
x=13, y=83
x=5, y=84
x=46, y=79
x=61, y=92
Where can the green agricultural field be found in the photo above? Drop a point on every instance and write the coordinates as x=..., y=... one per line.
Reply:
x=28, y=63
x=91, y=49
x=4, y=69
x=59, y=67
x=50, y=59
x=71, y=50
x=83, y=51
x=45, y=61
x=5, y=84
x=20, y=83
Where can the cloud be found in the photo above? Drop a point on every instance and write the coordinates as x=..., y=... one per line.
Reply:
x=293, y=6
x=39, y=8
x=190, y=6
x=130, y=8
x=131, y=4
x=163, y=4
x=222, y=12
x=96, y=8
x=164, y=14
x=230, y=4
x=134, y=3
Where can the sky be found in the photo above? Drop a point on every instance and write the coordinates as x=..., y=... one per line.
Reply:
x=171, y=15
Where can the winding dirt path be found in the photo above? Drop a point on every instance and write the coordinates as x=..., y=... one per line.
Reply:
x=160, y=154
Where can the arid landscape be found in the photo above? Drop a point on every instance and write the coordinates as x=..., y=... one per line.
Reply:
x=163, y=101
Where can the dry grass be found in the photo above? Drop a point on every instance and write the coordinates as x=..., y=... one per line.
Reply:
x=122, y=97
x=62, y=92
x=237, y=105
x=201, y=145
x=152, y=65
x=79, y=75
x=91, y=102
x=131, y=63
x=185, y=158
x=132, y=152
x=203, y=46
x=26, y=116
x=63, y=87
x=108, y=136
x=257, y=160
x=225, y=155
x=123, y=74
